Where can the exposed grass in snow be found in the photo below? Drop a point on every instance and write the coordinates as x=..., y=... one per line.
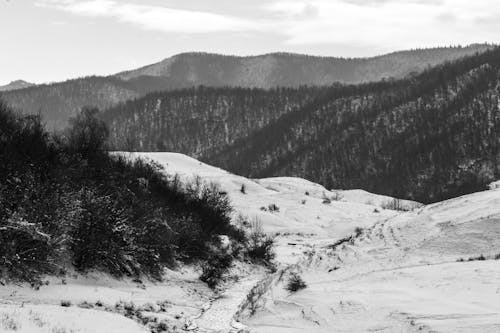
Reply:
x=8, y=322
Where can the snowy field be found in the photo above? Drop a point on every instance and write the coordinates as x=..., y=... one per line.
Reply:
x=367, y=269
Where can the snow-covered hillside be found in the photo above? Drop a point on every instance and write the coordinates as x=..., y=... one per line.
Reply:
x=367, y=268
x=300, y=202
x=409, y=273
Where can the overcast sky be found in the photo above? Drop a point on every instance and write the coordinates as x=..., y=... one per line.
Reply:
x=52, y=40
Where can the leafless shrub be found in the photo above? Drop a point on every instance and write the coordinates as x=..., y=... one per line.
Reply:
x=295, y=283
x=260, y=246
x=394, y=204
x=400, y=205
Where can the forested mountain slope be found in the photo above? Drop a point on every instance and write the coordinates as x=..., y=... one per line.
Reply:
x=427, y=138
x=198, y=120
x=58, y=102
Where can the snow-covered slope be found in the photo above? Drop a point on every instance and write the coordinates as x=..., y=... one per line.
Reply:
x=367, y=269
x=33, y=318
x=401, y=274
x=405, y=274
x=303, y=218
x=300, y=202
x=303, y=221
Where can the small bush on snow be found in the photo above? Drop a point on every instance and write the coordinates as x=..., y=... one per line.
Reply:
x=480, y=258
x=295, y=283
x=273, y=208
x=65, y=304
x=260, y=246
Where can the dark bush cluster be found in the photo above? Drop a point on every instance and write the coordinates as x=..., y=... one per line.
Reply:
x=295, y=283
x=273, y=208
x=215, y=267
x=253, y=246
x=65, y=199
x=479, y=258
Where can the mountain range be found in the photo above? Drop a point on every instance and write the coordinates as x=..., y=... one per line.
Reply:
x=427, y=137
x=290, y=70
x=419, y=124
x=58, y=102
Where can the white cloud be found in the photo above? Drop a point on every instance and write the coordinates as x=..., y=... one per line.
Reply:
x=151, y=17
x=384, y=2
x=389, y=23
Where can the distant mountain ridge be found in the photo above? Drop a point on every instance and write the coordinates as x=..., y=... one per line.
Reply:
x=58, y=102
x=292, y=70
x=14, y=85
